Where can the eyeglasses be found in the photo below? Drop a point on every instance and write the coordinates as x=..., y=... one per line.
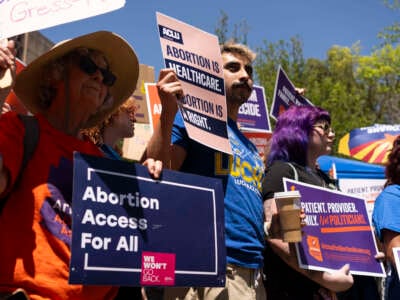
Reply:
x=326, y=128
x=87, y=65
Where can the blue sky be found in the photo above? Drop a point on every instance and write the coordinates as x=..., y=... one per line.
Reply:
x=319, y=23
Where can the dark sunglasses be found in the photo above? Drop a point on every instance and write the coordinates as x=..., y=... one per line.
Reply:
x=87, y=65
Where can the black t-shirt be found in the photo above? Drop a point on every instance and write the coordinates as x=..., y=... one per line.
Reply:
x=283, y=282
x=273, y=179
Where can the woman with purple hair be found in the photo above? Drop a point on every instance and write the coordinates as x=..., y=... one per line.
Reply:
x=301, y=135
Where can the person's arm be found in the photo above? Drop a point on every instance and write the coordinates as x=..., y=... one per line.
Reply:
x=7, y=61
x=391, y=239
x=159, y=147
x=337, y=281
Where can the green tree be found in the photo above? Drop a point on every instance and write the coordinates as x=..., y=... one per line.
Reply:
x=391, y=33
x=332, y=85
x=287, y=54
x=239, y=33
x=357, y=90
x=379, y=78
x=221, y=29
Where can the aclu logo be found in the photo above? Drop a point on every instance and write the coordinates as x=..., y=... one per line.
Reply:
x=170, y=34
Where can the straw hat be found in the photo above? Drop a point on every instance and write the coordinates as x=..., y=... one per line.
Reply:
x=120, y=56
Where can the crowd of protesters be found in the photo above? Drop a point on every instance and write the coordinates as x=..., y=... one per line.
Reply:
x=79, y=94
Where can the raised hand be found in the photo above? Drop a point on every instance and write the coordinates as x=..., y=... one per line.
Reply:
x=169, y=90
x=7, y=68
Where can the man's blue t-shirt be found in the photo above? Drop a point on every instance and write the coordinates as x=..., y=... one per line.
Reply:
x=387, y=210
x=241, y=174
x=386, y=216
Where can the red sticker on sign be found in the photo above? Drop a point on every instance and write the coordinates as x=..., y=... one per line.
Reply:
x=158, y=268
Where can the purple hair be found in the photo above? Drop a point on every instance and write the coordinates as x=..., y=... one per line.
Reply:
x=291, y=135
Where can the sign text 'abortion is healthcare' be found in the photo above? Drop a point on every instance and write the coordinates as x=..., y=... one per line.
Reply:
x=196, y=59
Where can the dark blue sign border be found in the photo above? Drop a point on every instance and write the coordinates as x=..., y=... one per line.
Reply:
x=189, y=223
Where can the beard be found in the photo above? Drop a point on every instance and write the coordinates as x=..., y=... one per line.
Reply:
x=240, y=92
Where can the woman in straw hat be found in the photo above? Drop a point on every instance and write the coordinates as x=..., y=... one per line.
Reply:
x=73, y=86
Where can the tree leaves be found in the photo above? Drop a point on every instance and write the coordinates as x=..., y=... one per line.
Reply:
x=357, y=90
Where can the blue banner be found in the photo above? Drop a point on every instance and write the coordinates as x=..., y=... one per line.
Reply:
x=129, y=229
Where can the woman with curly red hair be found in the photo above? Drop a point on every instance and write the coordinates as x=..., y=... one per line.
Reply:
x=109, y=133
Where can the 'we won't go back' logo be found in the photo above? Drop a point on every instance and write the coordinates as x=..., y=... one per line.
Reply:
x=158, y=269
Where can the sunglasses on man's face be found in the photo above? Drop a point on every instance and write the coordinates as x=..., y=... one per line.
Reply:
x=87, y=65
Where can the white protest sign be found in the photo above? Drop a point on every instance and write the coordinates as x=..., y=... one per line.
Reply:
x=365, y=188
x=396, y=255
x=17, y=16
x=196, y=58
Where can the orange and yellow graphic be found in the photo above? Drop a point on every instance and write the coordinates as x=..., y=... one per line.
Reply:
x=314, y=248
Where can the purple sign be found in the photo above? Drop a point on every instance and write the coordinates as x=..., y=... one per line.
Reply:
x=253, y=114
x=285, y=95
x=338, y=231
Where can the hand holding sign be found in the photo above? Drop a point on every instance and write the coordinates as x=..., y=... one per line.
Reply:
x=169, y=89
x=7, y=68
x=154, y=167
x=340, y=280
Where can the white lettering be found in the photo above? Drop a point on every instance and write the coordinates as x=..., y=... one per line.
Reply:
x=133, y=200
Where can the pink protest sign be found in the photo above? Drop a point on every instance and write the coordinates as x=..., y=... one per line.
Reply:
x=195, y=56
x=24, y=16
x=158, y=268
